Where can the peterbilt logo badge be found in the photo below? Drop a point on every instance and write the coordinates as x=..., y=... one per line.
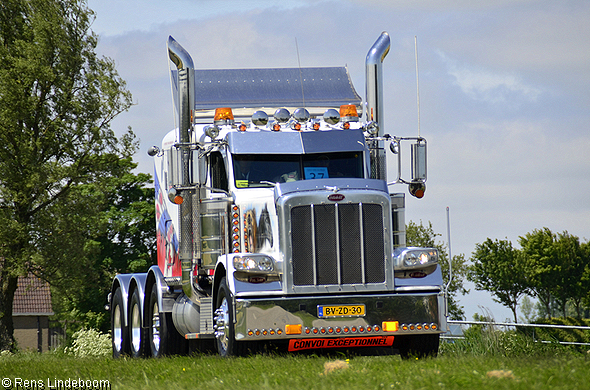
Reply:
x=336, y=197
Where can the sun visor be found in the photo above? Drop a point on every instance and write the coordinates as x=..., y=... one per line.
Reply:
x=266, y=142
x=272, y=88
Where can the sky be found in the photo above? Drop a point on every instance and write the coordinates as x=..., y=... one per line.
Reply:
x=504, y=94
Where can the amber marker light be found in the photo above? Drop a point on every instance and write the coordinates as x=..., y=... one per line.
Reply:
x=293, y=329
x=178, y=199
x=348, y=111
x=390, y=326
x=223, y=114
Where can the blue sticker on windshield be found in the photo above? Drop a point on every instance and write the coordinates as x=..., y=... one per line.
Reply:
x=316, y=173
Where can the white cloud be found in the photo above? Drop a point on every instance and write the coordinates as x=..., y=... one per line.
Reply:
x=439, y=5
x=482, y=84
x=504, y=92
x=139, y=15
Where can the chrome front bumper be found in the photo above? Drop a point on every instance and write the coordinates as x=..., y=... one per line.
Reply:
x=283, y=318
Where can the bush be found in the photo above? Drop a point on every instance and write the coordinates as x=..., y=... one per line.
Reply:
x=90, y=343
x=489, y=341
x=564, y=335
x=5, y=353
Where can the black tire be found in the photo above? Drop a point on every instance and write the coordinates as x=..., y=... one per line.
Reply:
x=137, y=333
x=163, y=338
x=419, y=346
x=223, y=322
x=119, y=332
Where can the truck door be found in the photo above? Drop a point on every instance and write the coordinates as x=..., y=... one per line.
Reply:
x=214, y=213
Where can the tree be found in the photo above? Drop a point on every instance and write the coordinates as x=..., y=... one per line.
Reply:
x=538, y=248
x=586, y=278
x=57, y=99
x=422, y=236
x=118, y=237
x=500, y=269
x=559, y=264
x=527, y=308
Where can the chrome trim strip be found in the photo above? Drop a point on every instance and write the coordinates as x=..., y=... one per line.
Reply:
x=362, y=243
x=337, y=233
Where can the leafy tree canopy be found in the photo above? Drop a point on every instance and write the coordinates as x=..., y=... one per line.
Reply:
x=424, y=236
x=500, y=269
x=559, y=268
x=57, y=99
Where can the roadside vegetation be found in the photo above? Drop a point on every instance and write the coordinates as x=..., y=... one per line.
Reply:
x=486, y=359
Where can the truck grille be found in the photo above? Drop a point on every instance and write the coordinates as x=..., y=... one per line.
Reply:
x=334, y=244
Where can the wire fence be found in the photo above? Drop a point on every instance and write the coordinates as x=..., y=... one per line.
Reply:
x=516, y=325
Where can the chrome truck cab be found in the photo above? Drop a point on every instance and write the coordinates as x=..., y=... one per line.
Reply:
x=316, y=250
x=275, y=221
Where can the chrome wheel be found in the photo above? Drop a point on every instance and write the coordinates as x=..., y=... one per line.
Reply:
x=117, y=328
x=120, y=339
x=222, y=324
x=156, y=329
x=135, y=328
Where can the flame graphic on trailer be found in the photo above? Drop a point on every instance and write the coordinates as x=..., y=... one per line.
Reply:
x=166, y=239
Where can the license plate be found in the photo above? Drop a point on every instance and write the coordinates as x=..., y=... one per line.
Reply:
x=328, y=311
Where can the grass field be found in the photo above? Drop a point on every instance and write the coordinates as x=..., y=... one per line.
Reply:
x=465, y=365
x=301, y=372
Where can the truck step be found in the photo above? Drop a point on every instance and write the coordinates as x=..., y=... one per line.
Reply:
x=199, y=336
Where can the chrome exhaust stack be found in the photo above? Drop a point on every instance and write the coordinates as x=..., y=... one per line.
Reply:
x=374, y=101
x=186, y=102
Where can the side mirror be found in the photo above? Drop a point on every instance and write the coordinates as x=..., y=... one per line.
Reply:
x=197, y=168
x=419, y=160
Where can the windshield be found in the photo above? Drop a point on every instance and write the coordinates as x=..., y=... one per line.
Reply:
x=257, y=170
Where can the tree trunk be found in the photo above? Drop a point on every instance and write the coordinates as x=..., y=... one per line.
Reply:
x=8, y=284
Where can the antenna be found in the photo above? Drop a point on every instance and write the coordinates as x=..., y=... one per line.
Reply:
x=450, y=257
x=417, y=81
x=300, y=76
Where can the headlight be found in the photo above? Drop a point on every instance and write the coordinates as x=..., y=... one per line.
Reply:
x=254, y=263
x=417, y=257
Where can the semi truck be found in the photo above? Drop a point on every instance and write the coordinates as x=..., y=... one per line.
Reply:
x=275, y=221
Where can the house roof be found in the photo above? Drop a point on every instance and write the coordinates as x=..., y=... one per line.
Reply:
x=32, y=297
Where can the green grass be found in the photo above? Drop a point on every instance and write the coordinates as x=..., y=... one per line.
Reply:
x=462, y=365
